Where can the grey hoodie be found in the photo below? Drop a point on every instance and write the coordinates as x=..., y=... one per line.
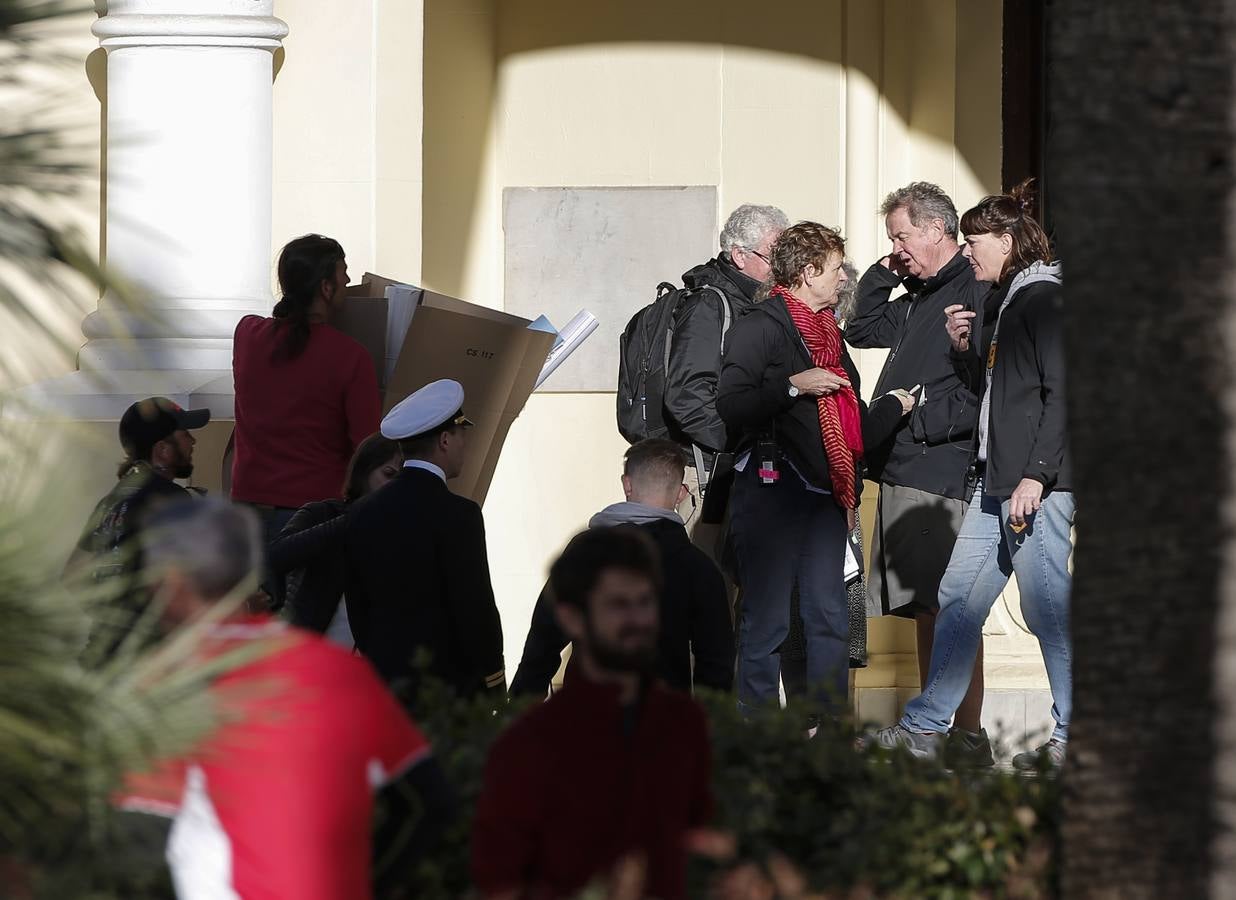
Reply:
x=631, y=513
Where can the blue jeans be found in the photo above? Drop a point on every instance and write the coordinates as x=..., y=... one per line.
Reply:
x=987, y=552
x=782, y=533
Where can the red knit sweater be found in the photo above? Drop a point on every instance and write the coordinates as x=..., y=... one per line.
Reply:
x=298, y=421
x=569, y=790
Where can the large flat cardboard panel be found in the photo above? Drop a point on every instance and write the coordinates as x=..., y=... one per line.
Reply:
x=604, y=249
x=442, y=301
x=364, y=318
x=496, y=362
x=539, y=343
x=491, y=353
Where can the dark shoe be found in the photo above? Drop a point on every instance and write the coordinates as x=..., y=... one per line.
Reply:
x=968, y=749
x=1053, y=752
x=924, y=746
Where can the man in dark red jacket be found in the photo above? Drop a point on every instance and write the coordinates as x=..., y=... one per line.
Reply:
x=612, y=768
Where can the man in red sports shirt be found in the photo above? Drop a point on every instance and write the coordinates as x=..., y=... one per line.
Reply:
x=278, y=802
x=615, y=767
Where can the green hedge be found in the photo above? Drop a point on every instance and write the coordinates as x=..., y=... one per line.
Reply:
x=855, y=825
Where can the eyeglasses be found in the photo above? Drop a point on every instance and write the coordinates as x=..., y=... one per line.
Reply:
x=757, y=253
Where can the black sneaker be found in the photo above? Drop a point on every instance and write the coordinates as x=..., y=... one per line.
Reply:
x=968, y=749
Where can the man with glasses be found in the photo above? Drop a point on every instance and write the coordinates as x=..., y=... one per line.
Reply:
x=721, y=291
x=695, y=613
x=417, y=567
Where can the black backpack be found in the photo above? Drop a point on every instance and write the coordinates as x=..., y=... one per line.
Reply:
x=643, y=360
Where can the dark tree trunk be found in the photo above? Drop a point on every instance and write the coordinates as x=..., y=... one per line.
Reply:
x=1141, y=102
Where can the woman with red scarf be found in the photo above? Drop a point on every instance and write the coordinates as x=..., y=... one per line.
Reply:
x=791, y=390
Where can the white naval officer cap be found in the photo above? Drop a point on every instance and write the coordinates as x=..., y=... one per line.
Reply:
x=437, y=404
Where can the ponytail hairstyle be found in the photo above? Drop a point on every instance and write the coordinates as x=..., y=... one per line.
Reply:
x=1011, y=214
x=303, y=265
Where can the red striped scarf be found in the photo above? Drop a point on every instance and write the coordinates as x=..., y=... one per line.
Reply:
x=840, y=426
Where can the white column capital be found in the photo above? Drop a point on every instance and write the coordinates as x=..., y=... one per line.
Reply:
x=221, y=23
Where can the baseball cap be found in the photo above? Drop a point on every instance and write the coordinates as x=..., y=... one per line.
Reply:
x=154, y=419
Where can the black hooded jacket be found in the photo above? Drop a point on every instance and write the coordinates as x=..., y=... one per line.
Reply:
x=695, y=354
x=931, y=448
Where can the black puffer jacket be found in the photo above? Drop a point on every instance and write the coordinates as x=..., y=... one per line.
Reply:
x=764, y=350
x=931, y=448
x=695, y=355
x=308, y=555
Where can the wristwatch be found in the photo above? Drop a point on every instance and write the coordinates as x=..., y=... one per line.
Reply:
x=794, y=392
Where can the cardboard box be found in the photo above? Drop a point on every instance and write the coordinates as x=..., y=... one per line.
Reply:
x=494, y=355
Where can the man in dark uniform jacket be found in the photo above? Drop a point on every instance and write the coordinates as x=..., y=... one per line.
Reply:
x=418, y=572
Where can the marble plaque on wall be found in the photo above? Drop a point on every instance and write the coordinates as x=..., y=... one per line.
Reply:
x=604, y=250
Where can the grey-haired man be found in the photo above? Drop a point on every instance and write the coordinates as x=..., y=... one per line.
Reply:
x=722, y=290
x=923, y=467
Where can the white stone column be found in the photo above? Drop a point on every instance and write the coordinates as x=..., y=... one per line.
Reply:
x=188, y=200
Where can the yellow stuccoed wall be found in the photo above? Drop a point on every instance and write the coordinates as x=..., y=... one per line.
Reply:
x=399, y=122
x=817, y=107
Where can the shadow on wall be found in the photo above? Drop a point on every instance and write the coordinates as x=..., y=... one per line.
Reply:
x=466, y=43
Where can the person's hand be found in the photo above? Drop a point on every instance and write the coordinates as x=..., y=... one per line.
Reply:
x=818, y=382
x=894, y=265
x=958, y=324
x=906, y=398
x=1025, y=502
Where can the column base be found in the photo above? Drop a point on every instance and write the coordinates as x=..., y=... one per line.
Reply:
x=106, y=394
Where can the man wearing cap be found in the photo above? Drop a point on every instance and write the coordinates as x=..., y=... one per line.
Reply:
x=418, y=572
x=158, y=446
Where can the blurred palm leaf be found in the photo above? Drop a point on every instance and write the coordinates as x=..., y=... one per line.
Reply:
x=69, y=731
x=49, y=275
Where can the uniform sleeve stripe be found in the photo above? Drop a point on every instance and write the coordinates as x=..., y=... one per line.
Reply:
x=496, y=678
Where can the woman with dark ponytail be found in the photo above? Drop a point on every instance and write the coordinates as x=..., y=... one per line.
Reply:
x=306, y=393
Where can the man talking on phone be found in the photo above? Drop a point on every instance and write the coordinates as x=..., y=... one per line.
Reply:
x=922, y=467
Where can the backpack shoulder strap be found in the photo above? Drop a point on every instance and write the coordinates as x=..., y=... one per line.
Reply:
x=726, y=315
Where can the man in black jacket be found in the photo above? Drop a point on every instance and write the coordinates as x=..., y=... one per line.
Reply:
x=694, y=614
x=922, y=468
x=727, y=283
x=417, y=567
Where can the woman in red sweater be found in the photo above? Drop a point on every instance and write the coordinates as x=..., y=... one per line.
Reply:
x=306, y=393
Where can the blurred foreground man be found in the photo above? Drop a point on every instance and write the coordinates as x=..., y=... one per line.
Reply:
x=278, y=801
x=418, y=571
x=614, y=768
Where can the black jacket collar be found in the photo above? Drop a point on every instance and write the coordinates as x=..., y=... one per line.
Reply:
x=958, y=265
x=721, y=272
